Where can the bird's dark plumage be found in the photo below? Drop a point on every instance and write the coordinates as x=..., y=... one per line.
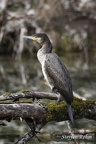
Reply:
x=54, y=70
x=60, y=78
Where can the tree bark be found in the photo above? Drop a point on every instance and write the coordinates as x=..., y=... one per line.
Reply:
x=22, y=110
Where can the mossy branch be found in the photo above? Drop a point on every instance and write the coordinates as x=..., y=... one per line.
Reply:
x=56, y=112
x=81, y=109
x=42, y=112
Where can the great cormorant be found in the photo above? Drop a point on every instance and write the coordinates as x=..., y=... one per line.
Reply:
x=54, y=70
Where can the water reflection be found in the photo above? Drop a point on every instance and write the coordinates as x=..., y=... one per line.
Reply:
x=18, y=75
x=26, y=74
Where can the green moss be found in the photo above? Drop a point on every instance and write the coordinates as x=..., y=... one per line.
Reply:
x=56, y=112
x=4, y=102
x=77, y=104
x=25, y=101
x=80, y=107
x=25, y=91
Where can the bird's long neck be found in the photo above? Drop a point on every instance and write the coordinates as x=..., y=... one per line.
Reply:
x=46, y=48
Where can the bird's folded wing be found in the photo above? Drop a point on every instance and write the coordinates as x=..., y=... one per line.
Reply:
x=57, y=71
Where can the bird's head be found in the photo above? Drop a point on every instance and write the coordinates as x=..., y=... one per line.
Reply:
x=40, y=38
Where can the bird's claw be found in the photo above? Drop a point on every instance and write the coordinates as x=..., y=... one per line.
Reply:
x=58, y=100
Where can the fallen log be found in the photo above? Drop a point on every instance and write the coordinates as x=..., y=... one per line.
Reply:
x=37, y=114
x=58, y=112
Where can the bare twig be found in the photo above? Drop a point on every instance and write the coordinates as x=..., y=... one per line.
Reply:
x=37, y=95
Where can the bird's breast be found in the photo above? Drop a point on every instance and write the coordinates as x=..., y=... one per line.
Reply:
x=47, y=77
x=41, y=57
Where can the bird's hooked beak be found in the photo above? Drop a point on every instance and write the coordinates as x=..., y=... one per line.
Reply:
x=31, y=37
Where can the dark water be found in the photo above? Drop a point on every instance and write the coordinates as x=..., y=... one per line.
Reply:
x=26, y=74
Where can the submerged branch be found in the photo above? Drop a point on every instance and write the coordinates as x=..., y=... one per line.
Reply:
x=25, y=138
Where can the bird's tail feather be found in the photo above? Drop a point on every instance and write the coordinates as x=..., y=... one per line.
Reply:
x=70, y=114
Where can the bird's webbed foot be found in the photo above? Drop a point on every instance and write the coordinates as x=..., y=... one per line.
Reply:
x=54, y=90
